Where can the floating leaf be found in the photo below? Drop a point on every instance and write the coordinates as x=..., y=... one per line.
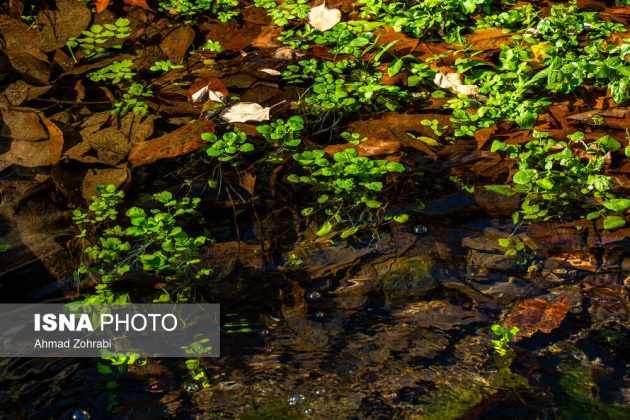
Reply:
x=323, y=18
x=614, y=222
x=101, y=5
x=246, y=111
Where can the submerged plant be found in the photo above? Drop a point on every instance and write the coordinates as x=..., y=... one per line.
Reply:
x=227, y=147
x=114, y=73
x=153, y=242
x=502, y=344
x=100, y=39
x=131, y=101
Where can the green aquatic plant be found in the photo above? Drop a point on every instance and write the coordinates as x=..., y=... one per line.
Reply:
x=283, y=12
x=227, y=147
x=224, y=10
x=113, y=73
x=213, y=46
x=154, y=242
x=165, y=65
x=343, y=183
x=556, y=182
x=281, y=133
x=501, y=345
x=131, y=101
x=99, y=40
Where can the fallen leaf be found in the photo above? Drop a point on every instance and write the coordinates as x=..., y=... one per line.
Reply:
x=36, y=153
x=371, y=147
x=323, y=18
x=210, y=88
x=496, y=204
x=538, y=314
x=184, y=140
x=246, y=111
x=453, y=82
x=271, y=72
x=615, y=118
x=176, y=43
x=139, y=3
x=101, y=5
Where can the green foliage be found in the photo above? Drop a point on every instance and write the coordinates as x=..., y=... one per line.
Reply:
x=100, y=39
x=343, y=86
x=164, y=65
x=286, y=11
x=132, y=101
x=430, y=18
x=353, y=138
x=557, y=183
x=281, y=133
x=153, y=241
x=344, y=38
x=343, y=183
x=227, y=147
x=114, y=73
x=224, y=10
x=213, y=46
x=502, y=344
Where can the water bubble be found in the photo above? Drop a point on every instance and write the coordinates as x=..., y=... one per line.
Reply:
x=320, y=392
x=296, y=399
x=142, y=362
x=319, y=314
x=307, y=411
x=420, y=229
x=314, y=295
x=77, y=414
x=264, y=333
x=190, y=387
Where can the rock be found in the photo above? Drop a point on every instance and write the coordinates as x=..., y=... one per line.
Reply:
x=406, y=278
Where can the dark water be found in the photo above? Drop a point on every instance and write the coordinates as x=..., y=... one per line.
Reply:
x=396, y=326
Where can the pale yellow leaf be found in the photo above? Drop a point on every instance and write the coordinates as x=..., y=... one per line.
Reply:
x=453, y=82
x=323, y=18
x=246, y=111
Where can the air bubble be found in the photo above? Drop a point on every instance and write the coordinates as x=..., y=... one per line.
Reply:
x=314, y=295
x=77, y=414
x=296, y=399
x=420, y=229
x=190, y=387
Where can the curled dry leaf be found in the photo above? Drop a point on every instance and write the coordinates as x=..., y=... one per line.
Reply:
x=209, y=89
x=139, y=3
x=453, y=82
x=538, y=314
x=323, y=18
x=246, y=111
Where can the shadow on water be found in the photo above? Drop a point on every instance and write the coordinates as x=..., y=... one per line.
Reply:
x=390, y=327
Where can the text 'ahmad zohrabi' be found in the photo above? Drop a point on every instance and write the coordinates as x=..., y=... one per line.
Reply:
x=51, y=322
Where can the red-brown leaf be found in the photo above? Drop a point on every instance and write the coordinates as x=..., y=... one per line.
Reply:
x=138, y=3
x=538, y=314
x=101, y=5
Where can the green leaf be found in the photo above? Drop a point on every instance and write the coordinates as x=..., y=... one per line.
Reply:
x=618, y=205
x=614, y=222
x=504, y=190
x=524, y=176
x=349, y=232
x=395, y=66
x=401, y=218
x=608, y=143
x=307, y=211
x=325, y=229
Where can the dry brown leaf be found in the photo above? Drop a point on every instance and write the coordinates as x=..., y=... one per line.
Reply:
x=371, y=147
x=205, y=89
x=322, y=18
x=139, y=3
x=101, y=5
x=537, y=314
x=184, y=140
x=616, y=117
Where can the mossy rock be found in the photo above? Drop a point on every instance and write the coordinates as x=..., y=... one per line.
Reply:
x=408, y=277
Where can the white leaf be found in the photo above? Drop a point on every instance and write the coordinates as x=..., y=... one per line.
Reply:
x=453, y=82
x=246, y=111
x=200, y=94
x=271, y=72
x=323, y=18
x=215, y=96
